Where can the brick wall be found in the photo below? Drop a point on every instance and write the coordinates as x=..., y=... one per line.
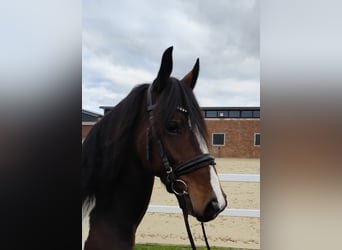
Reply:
x=239, y=137
x=85, y=130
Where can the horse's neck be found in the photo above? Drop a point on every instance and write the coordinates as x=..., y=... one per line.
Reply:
x=113, y=223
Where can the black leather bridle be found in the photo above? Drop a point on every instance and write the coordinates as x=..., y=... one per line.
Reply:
x=174, y=172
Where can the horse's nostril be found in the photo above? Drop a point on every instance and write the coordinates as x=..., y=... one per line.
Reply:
x=212, y=207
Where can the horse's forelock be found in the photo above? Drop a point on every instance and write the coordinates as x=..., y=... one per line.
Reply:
x=177, y=94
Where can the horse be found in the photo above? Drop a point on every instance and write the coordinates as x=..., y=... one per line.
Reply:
x=157, y=130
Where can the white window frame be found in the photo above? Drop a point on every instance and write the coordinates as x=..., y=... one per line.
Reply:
x=218, y=145
x=255, y=135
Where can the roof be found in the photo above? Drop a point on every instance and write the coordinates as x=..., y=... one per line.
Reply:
x=106, y=107
x=221, y=112
x=88, y=116
x=91, y=113
x=230, y=108
x=207, y=108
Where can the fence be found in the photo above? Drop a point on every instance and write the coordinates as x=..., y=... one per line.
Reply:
x=226, y=212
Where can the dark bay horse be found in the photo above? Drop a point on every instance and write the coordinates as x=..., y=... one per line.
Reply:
x=157, y=130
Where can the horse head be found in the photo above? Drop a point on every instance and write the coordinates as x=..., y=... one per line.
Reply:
x=175, y=138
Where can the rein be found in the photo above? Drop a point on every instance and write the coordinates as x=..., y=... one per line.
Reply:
x=173, y=173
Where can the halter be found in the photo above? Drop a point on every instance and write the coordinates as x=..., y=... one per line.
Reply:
x=174, y=172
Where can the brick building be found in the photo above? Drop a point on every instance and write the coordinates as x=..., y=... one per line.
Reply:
x=88, y=121
x=233, y=131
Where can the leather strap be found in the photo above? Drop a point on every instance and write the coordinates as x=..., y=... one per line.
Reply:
x=189, y=166
x=193, y=164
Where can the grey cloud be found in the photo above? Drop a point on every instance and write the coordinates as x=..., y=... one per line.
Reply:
x=133, y=34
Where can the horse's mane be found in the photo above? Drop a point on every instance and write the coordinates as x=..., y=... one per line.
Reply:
x=102, y=156
x=102, y=150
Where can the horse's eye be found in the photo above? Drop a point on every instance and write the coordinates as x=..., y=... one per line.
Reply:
x=173, y=127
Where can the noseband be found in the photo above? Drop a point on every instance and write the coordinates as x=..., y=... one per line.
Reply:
x=174, y=172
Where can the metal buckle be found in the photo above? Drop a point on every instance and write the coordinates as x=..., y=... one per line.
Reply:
x=184, y=192
x=169, y=170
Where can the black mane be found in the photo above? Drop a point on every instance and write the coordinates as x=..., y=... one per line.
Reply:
x=102, y=150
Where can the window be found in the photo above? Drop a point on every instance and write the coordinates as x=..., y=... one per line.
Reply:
x=247, y=114
x=211, y=114
x=223, y=114
x=234, y=114
x=218, y=139
x=257, y=140
x=256, y=114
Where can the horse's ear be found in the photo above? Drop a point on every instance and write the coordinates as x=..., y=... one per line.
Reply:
x=191, y=78
x=164, y=71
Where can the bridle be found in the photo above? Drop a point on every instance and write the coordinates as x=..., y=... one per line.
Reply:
x=174, y=172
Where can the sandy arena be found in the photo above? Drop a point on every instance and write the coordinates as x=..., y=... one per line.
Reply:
x=224, y=231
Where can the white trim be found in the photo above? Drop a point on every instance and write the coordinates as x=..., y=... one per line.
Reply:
x=220, y=145
x=88, y=123
x=254, y=213
x=239, y=177
x=227, y=212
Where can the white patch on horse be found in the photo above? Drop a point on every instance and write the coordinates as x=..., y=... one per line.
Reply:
x=201, y=142
x=85, y=221
x=215, y=183
x=214, y=180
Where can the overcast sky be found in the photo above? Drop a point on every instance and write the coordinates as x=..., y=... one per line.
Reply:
x=123, y=42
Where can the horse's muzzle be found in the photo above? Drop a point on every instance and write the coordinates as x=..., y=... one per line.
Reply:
x=211, y=211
